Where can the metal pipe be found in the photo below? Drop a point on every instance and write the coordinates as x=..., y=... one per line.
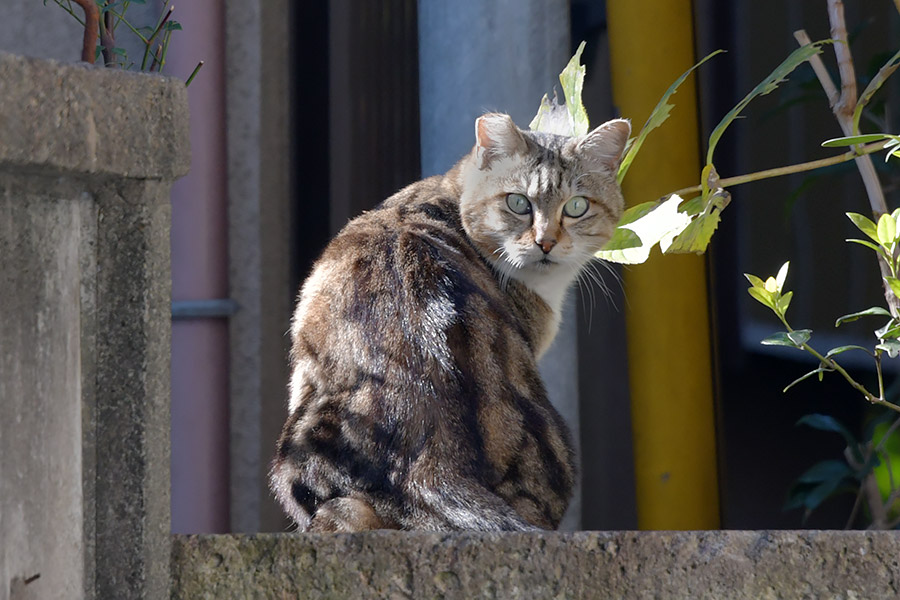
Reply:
x=667, y=317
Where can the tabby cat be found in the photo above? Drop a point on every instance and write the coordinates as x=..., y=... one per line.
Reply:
x=415, y=399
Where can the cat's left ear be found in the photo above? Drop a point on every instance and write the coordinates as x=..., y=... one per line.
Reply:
x=605, y=145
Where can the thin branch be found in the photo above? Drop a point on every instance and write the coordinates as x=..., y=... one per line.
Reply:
x=91, y=26
x=819, y=67
x=791, y=169
x=847, y=102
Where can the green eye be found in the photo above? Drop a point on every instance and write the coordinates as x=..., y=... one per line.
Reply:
x=518, y=203
x=576, y=206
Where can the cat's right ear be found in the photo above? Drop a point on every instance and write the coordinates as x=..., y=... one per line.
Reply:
x=496, y=135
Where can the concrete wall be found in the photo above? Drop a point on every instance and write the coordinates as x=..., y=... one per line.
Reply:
x=84, y=328
x=711, y=565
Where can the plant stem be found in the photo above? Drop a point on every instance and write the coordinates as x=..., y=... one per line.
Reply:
x=91, y=25
x=832, y=364
x=791, y=169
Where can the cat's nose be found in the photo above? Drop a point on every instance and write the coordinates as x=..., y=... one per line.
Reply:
x=546, y=244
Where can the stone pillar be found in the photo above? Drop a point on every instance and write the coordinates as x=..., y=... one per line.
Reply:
x=482, y=56
x=87, y=158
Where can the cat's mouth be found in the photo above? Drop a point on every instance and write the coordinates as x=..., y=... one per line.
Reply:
x=545, y=262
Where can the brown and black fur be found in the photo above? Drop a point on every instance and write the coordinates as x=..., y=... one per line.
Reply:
x=415, y=398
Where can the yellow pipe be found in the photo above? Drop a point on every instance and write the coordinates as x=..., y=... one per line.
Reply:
x=667, y=316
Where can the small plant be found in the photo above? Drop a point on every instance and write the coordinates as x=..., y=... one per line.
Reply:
x=101, y=23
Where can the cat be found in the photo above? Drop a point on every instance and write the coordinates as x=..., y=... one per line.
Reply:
x=415, y=399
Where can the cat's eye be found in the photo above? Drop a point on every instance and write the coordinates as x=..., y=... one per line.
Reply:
x=576, y=207
x=518, y=203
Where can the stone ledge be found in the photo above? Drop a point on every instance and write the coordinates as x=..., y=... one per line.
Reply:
x=73, y=118
x=667, y=565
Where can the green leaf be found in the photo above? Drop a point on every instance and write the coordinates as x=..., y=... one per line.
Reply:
x=782, y=303
x=782, y=275
x=842, y=349
x=826, y=471
x=852, y=140
x=828, y=423
x=755, y=281
x=880, y=77
x=891, y=330
x=886, y=230
x=866, y=244
x=892, y=347
x=820, y=493
x=873, y=311
x=176, y=26
x=764, y=297
x=657, y=117
x=792, y=339
x=864, y=224
x=894, y=283
x=696, y=236
x=653, y=223
x=795, y=59
x=818, y=371
x=571, y=118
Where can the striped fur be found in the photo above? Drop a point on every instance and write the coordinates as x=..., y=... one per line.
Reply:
x=415, y=400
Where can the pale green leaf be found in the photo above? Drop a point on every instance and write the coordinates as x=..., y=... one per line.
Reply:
x=767, y=85
x=783, y=302
x=657, y=117
x=886, y=230
x=873, y=311
x=571, y=118
x=800, y=336
x=782, y=275
x=864, y=224
x=891, y=330
x=779, y=339
x=755, y=281
x=762, y=296
x=651, y=222
x=696, y=236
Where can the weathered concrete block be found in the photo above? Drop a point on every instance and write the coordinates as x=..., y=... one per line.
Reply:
x=87, y=158
x=710, y=565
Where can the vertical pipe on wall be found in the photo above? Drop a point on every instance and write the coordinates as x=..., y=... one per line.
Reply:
x=199, y=272
x=667, y=315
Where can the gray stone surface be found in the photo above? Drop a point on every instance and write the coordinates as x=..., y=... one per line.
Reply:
x=76, y=118
x=635, y=565
x=87, y=157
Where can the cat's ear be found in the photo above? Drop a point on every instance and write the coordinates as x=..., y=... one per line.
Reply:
x=605, y=145
x=496, y=135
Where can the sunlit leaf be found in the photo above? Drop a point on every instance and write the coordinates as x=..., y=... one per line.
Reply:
x=890, y=331
x=696, y=236
x=783, y=302
x=864, y=224
x=755, y=281
x=886, y=230
x=764, y=297
x=569, y=119
x=657, y=117
x=873, y=311
x=767, y=85
x=651, y=222
x=852, y=140
x=782, y=275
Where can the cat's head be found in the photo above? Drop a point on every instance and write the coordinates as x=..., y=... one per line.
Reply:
x=539, y=205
